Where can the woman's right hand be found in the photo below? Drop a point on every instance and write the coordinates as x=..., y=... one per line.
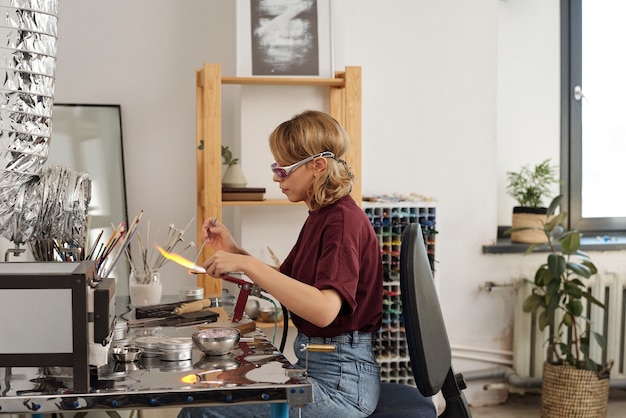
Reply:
x=218, y=236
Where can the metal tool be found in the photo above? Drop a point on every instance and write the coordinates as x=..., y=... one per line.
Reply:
x=195, y=260
x=246, y=289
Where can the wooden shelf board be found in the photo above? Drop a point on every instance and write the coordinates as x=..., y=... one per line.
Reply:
x=285, y=81
x=266, y=202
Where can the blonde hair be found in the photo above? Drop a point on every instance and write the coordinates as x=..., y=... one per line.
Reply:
x=310, y=133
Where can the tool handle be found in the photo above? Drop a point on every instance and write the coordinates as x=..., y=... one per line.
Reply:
x=195, y=306
x=320, y=348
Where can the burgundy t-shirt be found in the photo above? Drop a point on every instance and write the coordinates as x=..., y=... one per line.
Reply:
x=338, y=249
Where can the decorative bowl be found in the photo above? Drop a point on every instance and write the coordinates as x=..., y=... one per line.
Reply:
x=270, y=315
x=216, y=341
x=126, y=354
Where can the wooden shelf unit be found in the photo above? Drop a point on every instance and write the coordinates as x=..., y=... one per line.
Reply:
x=344, y=105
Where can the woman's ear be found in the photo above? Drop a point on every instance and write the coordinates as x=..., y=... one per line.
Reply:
x=320, y=165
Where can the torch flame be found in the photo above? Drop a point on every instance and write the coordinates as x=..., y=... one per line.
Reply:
x=179, y=259
x=189, y=379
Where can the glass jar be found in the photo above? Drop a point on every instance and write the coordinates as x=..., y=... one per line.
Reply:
x=145, y=288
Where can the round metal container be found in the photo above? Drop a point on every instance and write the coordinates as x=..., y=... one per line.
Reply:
x=150, y=362
x=216, y=341
x=149, y=345
x=175, y=366
x=124, y=342
x=126, y=354
x=214, y=363
x=176, y=349
x=120, y=330
x=195, y=293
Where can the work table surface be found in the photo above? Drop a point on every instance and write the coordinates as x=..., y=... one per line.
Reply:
x=254, y=372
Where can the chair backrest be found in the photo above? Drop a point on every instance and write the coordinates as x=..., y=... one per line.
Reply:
x=427, y=339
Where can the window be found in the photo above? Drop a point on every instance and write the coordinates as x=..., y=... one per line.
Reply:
x=593, y=124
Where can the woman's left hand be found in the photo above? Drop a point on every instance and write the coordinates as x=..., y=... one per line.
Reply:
x=222, y=262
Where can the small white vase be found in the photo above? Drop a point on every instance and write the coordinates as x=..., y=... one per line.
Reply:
x=233, y=177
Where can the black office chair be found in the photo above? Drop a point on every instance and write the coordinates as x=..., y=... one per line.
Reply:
x=427, y=340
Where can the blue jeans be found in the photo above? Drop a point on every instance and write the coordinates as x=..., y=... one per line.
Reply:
x=346, y=382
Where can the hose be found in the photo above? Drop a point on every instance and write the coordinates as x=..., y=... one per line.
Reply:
x=35, y=203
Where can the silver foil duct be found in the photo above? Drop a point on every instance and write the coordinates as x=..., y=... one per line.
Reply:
x=34, y=204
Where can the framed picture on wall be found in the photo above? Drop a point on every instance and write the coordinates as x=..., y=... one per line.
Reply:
x=284, y=38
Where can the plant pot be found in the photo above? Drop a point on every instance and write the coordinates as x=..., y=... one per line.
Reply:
x=526, y=217
x=233, y=177
x=570, y=392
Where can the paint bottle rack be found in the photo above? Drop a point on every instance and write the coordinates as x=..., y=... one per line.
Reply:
x=389, y=221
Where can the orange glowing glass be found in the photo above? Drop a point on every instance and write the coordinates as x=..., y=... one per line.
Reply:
x=179, y=259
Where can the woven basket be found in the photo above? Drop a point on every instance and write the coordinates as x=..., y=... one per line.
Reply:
x=529, y=236
x=570, y=392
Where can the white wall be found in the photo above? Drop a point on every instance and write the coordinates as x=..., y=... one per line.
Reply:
x=528, y=114
x=455, y=93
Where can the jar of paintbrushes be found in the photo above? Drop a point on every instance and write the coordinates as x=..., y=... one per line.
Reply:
x=145, y=287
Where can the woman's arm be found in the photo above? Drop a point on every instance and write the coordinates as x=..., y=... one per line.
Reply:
x=320, y=307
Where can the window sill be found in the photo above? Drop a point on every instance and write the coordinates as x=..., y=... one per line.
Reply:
x=614, y=242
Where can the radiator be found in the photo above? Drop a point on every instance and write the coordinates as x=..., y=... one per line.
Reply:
x=530, y=344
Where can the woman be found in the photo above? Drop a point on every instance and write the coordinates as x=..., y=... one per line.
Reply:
x=331, y=281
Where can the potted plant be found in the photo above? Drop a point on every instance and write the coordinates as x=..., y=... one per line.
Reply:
x=572, y=380
x=233, y=176
x=528, y=187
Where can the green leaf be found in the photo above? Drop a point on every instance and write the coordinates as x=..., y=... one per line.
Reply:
x=570, y=241
x=593, y=300
x=573, y=290
x=555, y=221
x=553, y=289
x=532, y=247
x=542, y=276
x=509, y=231
x=554, y=204
x=544, y=319
x=591, y=365
x=556, y=264
x=579, y=269
x=532, y=303
x=599, y=339
x=584, y=344
x=552, y=303
x=568, y=320
x=592, y=267
x=575, y=308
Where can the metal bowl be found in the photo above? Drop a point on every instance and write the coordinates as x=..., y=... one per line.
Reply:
x=216, y=341
x=126, y=354
x=270, y=315
x=215, y=363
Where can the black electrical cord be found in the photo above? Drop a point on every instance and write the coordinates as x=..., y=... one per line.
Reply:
x=283, y=339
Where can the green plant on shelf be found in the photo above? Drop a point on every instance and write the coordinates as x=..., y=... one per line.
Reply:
x=528, y=186
x=227, y=156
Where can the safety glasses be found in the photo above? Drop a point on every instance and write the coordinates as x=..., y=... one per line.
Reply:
x=283, y=172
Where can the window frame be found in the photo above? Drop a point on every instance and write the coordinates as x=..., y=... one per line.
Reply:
x=571, y=125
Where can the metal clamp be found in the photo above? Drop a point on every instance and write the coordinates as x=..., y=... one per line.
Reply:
x=246, y=289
